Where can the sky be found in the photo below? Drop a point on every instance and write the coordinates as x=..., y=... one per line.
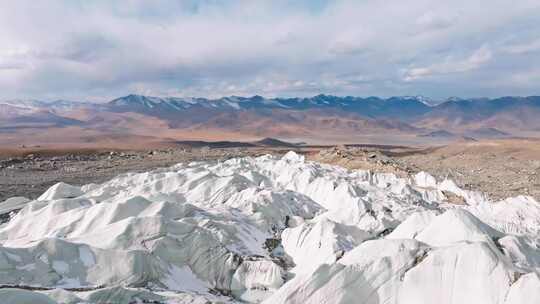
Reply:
x=99, y=50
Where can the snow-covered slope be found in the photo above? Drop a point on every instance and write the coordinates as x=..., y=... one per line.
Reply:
x=150, y=103
x=40, y=105
x=278, y=230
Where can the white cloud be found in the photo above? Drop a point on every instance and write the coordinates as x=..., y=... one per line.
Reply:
x=529, y=78
x=76, y=49
x=431, y=20
x=531, y=46
x=451, y=66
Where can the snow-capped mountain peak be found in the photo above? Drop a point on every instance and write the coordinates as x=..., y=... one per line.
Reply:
x=425, y=100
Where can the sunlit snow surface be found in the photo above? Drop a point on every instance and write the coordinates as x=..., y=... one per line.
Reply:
x=278, y=230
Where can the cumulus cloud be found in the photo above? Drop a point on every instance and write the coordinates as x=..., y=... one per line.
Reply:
x=431, y=20
x=80, y=50
x=527, y=47
x=450, y=66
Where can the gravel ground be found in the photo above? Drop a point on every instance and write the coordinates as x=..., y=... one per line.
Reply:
x=31, y=175
x=501, y=169
x=500, y=174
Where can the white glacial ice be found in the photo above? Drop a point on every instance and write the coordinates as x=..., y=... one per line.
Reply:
x=273, y=230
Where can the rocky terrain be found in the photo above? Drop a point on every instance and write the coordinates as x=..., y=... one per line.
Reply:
x=31, y=173
x=271, y=229
x=499, y=168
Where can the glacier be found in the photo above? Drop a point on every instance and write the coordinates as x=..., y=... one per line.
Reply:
x=273, y=230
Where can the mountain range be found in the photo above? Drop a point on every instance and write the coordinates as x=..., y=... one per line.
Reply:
x=321, y=118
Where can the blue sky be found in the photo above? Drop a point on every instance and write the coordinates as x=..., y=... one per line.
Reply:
x=97, y=50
